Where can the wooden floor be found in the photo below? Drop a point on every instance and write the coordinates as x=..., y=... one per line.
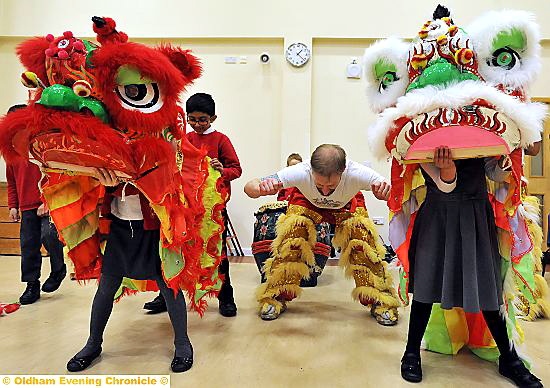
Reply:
x=323, y=340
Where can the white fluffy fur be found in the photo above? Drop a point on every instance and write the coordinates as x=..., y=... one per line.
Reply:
x=529, y=211
x=394, y=51
x=528, y=116
x=486, y=28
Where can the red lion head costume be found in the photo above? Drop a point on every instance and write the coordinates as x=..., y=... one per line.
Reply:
x=116, y=106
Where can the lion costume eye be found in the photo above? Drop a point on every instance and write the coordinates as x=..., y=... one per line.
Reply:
x=387, y=80
x=139, y=96
x=507, y=44
x=385, y=66
x=137, y=92
x=506, y=58
x=63, y=43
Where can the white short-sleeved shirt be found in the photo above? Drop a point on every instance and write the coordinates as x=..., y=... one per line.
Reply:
x=355, y=177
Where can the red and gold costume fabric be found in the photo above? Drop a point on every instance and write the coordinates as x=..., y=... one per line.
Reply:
x=115, y=105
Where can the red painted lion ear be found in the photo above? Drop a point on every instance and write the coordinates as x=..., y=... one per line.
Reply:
x=32, y=55
x=187, y=63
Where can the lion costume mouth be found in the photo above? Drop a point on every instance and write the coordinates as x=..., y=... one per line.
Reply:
x=445, y=110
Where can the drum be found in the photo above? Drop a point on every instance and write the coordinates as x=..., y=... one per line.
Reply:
x=264, y=234
x=264, y=231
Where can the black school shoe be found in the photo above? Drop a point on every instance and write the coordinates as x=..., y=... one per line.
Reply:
x=181, y=364
x=411, y=368
x=53, y=281
x=226, y=303
x=31, y=293
x=228, y=308
x=516, y=371
x=79, y=364
x=157, y=305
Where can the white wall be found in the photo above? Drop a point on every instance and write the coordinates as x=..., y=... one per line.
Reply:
x=268, y=111
x=246, y=18
x=339, y=112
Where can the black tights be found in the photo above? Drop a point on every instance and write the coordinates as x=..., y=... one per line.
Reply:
x=102, y=307
x=420, y=315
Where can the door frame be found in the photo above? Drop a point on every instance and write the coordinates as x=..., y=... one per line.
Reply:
x=541, y=184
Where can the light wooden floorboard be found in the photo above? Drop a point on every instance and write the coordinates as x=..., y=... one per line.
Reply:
x=323, y=340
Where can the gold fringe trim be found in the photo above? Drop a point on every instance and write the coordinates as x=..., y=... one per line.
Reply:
x=266, y=269
x=265, y=295
x=372, y=293
x=273, y=206
x=364, y=277
x=532, y=208
x=541, y=307
x=302, y=211
x=286, y=271
x=292, y=255
x=357, y=227
x=362, y=258
x=293, y=226
x=359, y=252
x=295, y=249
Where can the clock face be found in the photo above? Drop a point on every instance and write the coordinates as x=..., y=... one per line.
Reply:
x=297, y=54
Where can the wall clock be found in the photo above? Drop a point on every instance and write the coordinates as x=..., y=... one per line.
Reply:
x=297, y=54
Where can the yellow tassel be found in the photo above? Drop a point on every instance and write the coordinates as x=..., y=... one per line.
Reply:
x=541, y=307
x=358, y=222
x=265, y=295
x=294, y=226
x=355, y=246
x=292, y=253
x=372, y=293
x=292, y=246
x=362, y=258
x=267, y=265
x=286, y=270
x=543, y=301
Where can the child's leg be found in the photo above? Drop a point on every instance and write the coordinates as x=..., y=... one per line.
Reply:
x=509, y=363
x=418, y=321
x=178, y=316
x=226, y=301
x=51, y=242
x=497, y=327
x=226, y=292
x=31, y=258
x=101, y=311
x=411, y=368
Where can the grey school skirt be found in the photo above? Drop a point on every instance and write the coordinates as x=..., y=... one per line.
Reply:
x=454, y=253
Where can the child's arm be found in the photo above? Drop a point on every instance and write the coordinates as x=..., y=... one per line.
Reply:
x=13, y=199
x=443, y=169
x=498, y=169
x=231, y=167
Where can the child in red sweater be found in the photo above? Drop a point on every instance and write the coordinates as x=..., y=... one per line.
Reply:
x=201, y=113
x=36, y=229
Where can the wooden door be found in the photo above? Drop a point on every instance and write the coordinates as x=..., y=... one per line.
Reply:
x=537, y=171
